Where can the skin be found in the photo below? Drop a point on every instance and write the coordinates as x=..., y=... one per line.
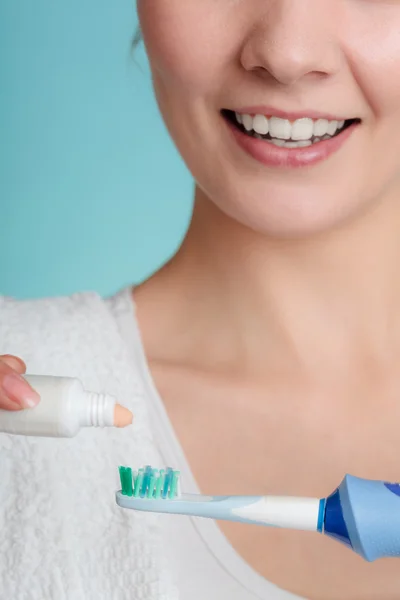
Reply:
x=280, y=314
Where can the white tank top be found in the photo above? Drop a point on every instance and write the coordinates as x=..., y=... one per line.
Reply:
x=206, y=565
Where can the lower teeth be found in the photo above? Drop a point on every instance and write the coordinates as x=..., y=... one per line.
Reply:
x=290, y=143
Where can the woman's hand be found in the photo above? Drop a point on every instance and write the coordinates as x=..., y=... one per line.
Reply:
x=15, y=392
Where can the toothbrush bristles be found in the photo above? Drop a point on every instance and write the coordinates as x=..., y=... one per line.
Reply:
x=150, y=483
x=138, y=483
x=125, y=474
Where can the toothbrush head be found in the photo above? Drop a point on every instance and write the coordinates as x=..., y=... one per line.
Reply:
x=150, y=483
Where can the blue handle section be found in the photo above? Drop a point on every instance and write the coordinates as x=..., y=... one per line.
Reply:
x=370, y=517
x=334, y=524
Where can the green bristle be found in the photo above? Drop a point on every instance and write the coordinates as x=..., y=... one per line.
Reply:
x=125, y=475
x=174, y=485
x=138, y=483
x=159, y=485
x=122, y=478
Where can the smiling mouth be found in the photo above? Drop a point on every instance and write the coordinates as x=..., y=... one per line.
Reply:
x=300, y=133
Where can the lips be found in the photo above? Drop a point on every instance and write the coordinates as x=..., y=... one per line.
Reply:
x=276, y=141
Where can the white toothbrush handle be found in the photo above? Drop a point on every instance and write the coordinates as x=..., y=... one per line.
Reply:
x=273, y=511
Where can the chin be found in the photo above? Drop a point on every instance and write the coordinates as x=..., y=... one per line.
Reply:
x=290, y=213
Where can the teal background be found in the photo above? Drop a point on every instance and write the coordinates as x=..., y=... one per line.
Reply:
x=93, y=194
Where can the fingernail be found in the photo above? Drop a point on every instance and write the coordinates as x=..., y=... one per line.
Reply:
x=19, y=390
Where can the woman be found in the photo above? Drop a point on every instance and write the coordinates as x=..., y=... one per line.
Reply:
x=272, y=337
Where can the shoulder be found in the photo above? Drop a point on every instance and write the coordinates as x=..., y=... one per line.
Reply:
x=43, y=314
x=54, y=330
x=13, y=310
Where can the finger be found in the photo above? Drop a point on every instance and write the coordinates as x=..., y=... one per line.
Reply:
x=14, y=362
x=15, y=391
x=7, y=404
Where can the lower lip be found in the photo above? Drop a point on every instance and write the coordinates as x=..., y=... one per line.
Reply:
x=275, y=156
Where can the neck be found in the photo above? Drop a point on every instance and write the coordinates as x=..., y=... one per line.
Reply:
x=322, y=300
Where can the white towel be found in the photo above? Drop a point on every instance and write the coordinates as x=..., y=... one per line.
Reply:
x=62, y=537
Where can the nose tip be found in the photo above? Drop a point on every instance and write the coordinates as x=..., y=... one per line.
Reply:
x=294, y=40
x=287, y=70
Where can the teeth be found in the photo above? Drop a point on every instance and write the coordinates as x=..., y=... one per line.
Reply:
x=279, y=143
x=285, y=144
x=300, y=130
x=299, y=144
x=261, y=125
x=332, y=127
x=320, y=127
x=280, y=128
x=247, y=122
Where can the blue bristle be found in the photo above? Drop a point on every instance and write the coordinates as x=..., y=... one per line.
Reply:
x=167, y=483
x=146, y=481
x=152, y=483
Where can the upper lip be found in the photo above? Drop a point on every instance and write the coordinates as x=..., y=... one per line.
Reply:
x=270, y=111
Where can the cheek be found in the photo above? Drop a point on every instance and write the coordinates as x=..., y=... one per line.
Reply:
x=187, y=42
x=375, y=56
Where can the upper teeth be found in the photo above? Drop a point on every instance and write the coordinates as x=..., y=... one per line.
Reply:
x=301, y=129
